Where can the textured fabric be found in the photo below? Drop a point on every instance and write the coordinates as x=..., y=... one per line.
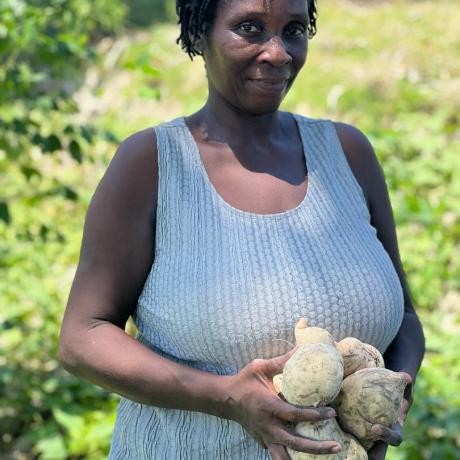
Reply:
x=228, y=286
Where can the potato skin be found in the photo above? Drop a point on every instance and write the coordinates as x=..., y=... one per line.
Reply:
x=277, y=382
x=306, y=334
x=328, y=430
x=313, y=375
x=367, y=397
x=358, y=355
x=356, y=451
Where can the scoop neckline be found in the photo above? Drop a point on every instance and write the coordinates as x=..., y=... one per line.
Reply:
x=198, y=160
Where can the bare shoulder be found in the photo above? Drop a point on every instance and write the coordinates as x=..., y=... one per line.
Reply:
x=129, y=184
x=351, y=137
x=362, y=159
x=142, y=142
x=135, y=164
x=126, y=197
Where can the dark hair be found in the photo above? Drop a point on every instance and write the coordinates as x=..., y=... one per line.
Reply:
x=197, y=16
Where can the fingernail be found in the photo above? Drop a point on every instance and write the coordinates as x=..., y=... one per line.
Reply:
x=377, y=430
x=336, y=449
x=331, y=413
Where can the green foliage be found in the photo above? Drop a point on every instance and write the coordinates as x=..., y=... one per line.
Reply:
x=33, y=387
x=426, y=196
x=45, y=47
x=146, y=12
x=387, y=67
x=432, y=428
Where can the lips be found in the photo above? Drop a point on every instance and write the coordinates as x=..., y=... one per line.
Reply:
x=273, y=85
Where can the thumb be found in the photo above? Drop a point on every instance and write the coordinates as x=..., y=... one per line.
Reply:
x=409, y=390
x=275, y=365
x=408, y=394
x=407, y=377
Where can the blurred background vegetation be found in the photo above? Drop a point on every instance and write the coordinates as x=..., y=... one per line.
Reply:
x=77, y=76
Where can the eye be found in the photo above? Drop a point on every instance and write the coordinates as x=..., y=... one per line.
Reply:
x=296, y=30
x=249, y=28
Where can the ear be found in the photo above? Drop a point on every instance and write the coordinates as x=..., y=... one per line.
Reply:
x=198, y=43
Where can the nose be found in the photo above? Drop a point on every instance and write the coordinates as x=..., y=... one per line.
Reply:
x=275, y=52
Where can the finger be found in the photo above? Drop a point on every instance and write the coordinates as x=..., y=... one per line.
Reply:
x=278, y=452
x=392, y=436
x=408, y=392
x=403, y=412
x=294, y=414
x=275, y=365
x=408, y=377
x=301, y=444
x=377, y=451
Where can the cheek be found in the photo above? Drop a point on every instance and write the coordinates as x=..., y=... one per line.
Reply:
x=299, y=54
x=236, y=54
x=229, y=65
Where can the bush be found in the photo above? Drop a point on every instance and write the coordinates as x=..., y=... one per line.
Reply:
x=45, y=47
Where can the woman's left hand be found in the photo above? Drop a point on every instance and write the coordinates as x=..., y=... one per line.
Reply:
x=392, y=436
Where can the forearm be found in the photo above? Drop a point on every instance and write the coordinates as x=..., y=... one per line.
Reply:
x=406, y=351
x=107, y=356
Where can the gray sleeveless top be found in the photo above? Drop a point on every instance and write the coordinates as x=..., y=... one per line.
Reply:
x=228, y=286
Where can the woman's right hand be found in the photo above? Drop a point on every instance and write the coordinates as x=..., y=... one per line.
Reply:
x=255, y=405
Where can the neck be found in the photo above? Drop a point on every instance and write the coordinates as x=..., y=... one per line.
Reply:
x=221, y=121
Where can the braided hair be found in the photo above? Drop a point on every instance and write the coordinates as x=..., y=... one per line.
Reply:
x=197, y=16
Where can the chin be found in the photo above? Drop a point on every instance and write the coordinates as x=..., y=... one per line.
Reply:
x=262, y=106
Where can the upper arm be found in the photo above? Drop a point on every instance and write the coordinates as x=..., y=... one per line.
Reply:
x=118, y=238
x=370, y=176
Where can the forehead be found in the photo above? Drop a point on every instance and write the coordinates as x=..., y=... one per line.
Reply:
x=269, y=8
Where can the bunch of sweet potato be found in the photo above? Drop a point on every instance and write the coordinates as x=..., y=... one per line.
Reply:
x=348, y=375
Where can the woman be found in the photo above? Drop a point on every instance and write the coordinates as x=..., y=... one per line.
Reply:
x=217, y=232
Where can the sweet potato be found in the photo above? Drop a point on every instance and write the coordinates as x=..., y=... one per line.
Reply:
x=328, y=430
x=313, y=375
x=358, y=355
x=367, y=397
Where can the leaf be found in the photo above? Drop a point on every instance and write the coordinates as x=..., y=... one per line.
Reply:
x=87, y=133
x=12, y=338
x=5, y=212
x=110, y=136
x=44, y=230
x=51, y=385
x=29, y=172
x=39, y=140
x=149, y=93
x=69, y=129
x=75, y=151
x=19, y=126
x=52, y=448
x=142, y=63
x=52, y=143
x=100, y=431
x=148, y=69
x=73, y=423
x=67, y=192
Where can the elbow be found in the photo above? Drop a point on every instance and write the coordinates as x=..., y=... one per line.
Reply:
x=422, y=341
x=65, y=356
x=68, y=355
x=421, y=334
x=418, y=336
x=76, y=348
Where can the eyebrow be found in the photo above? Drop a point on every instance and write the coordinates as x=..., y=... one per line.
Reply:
x=262, y=14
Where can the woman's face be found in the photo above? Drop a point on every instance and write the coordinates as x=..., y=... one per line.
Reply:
x=255, y=50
